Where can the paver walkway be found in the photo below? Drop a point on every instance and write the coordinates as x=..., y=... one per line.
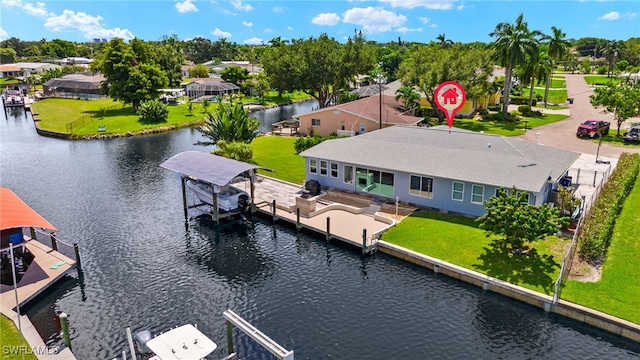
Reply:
x=562, y=134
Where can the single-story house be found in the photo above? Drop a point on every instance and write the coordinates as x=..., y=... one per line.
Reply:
x=31, y=68
x=369, y=90
x=74, y=61
x=356, y=117
x=74, y=85
x=198, y=88
x=219, y=66
x=448, y=169
x=10, y=71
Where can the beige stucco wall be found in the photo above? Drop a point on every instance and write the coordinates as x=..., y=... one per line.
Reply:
x=331, y=121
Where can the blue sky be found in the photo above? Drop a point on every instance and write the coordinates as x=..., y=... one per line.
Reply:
x=254, y=22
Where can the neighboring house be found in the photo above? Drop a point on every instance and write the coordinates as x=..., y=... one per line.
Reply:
x=74, y=85
x=219, y=66
x=369, y=90
x=10, y=70
x=29, y=68
x=356, y=117
x=74, y=61
x=198, y=88
x=451, y=170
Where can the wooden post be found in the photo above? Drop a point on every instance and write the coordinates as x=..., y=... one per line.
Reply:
x=595, y=175
x=184, y=198
x=32, y=231
x=76, y=251
x=64, y=324
x=578, y=177
x=273, y=210
x=215, y=207
x=364, y=241
x=328, y=235
x=54, y=243
x=252, y=189
x=298, y=219
x=230, y=338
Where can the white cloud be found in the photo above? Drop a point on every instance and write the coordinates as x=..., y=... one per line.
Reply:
x=39, y=9
x=11, y=3
x=405, y=30
x=373, y=19
x=424, y=20
x=630, y=16
x=289, y=28
x=329, y=19
x=3, y=33
x=253, y=41
x=429, y=4
x=460, y=7
x=238, y=5
x=613, y=15
x=219, y=33
x=433, y=25
x=247, y=24
x=227, y=12
x=186, y=6
x=268, y=30
x=88, y=25
x=279, y=9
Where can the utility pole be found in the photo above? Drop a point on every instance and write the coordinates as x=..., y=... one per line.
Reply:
x=380, y=91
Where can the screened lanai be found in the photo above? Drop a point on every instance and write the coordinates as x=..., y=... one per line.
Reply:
x=75, y=86
x=199, y=88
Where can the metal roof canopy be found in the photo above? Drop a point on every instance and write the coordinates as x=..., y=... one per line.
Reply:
x=214, y=169
x=184, y=342
x=15, y=213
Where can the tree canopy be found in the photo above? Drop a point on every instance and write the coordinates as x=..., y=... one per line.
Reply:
x=622, y=100
x=231, y=123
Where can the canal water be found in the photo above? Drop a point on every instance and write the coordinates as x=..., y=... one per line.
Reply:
x=147, y=268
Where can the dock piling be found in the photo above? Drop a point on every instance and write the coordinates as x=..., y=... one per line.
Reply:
x=64, y=324
x=328, y=235
x=364, y=241
x=230, y=338
x=298, y=219
x=273, y=210
x=54, y=242
x=184, y=198
x=76, y=251
x=32, y=231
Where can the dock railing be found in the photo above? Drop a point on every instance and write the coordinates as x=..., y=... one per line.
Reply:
x=51, y=240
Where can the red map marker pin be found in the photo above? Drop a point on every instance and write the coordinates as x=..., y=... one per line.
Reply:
x=450, y=97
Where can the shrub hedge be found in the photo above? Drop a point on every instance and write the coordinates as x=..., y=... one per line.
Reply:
x=496, y=107
x=306, y=142
x=597, y=228
x=522, y=100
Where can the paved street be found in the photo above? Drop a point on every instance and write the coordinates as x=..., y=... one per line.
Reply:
x=562, y=134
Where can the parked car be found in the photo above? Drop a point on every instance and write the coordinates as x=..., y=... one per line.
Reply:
x=591, y=128
x=633, y=135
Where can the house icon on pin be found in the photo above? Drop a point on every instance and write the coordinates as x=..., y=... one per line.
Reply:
x=450, y=96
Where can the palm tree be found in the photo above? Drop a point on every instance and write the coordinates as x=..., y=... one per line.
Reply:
x=513, y=43
x=408, y=96
x=558, y=50
x=231, y=123
x=443, y=41
x=612, y=51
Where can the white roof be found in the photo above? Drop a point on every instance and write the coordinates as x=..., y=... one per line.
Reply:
x=184, y=342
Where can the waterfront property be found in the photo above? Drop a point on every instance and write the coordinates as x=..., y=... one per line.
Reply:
x=198, y=88
x=451, y=170
x=75, y=86
x=356, y=117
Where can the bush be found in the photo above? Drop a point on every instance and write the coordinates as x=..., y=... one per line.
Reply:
x=153, y=112
x=524, y=109
x=521, y=100
x=499, y=117
x=483, y=112
x=306, y=142
x=496, y=107
x=597, y=228
x=602, y=70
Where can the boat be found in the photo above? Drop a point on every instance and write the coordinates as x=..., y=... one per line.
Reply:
x=13, y=98
x=183, y=342
x=230, y=198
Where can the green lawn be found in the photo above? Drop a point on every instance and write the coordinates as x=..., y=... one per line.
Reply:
x=277, y=153
x=550, y=107
x=56, y=113
x=555, y=96
x=458, y=240
x=558, y=83
x=506, y=128
x=617, y=293
x=600, y=79
x=11, y=337
x=611, y=138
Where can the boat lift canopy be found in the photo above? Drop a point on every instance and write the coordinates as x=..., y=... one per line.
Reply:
x=15, y=213
x=200, y=165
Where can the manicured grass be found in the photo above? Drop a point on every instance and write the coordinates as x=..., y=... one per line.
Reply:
x=555, y=96
x=551, y=107
x=617, y=292
x=272, y=98
x=600, y=79
x=8, y=81
x=558, y=83
x=277, y=153
x=458, y=240
x=56, y=113
x=10, y=338
x=507, y=128
x=613, y=139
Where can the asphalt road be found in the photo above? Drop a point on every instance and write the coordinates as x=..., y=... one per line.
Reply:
x=562, y=134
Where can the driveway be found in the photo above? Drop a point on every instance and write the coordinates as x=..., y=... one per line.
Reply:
x=562, y=134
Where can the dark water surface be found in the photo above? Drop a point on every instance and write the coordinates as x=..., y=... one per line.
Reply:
x=148, y=269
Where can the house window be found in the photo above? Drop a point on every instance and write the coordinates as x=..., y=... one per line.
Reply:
x=315, y=122
x=477, y=194
x=334, y=170
x=374, y=182
x=341, y=125
x=313, y=166
x=363, y=128
x=421, y=186
x=323, y=167
x=348, y=174
x=527, y=199
x=457, y=191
